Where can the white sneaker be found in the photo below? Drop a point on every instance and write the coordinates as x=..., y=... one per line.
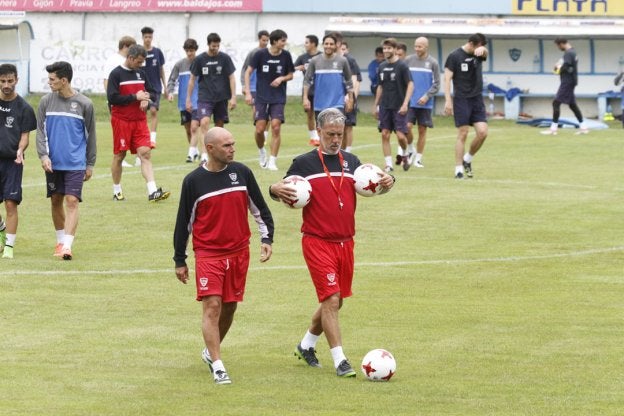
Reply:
x=221, y=377
x=584, y=130
x=126, y=164
x=262, y=159
x=271, y=166
x=418, y=164
x=137, y=162
x=549, y=132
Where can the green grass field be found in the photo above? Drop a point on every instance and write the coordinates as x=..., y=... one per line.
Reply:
x=499, y=295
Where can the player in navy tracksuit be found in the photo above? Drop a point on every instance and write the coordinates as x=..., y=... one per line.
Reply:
x=213, y=209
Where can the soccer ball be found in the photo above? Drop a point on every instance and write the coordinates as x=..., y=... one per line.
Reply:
x=378, y=365
x=367, y=180
x=303, y=189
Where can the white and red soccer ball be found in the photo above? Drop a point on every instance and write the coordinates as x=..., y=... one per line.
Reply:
x=303, y=189
x=379, y=365
x=367, y=177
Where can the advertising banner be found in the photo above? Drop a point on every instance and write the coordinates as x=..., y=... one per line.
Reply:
x=132, y=5
x=595, y=8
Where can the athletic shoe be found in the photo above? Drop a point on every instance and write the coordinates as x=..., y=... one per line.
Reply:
x=344, y=369
x=549, y=132
x=459, y=175
x=388, y=169
x=158, y=195
x=205, y=356
x=467, y=168
x=314, y=142
x=582, y=131
x=309, y=356
x=126, y=164
x=398, y=160
x=119, y=196
x=7, y=253
x=189, y=159
x=221, y=377
x=271, y=166
x=2, y=238
x=418, y=164
x=67, y=254
x=406, y=163
x=411, y=158
x=58, y=250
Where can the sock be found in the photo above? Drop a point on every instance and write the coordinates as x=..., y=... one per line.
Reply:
x=272, y=160
x=153, y=136
x=554, y=126
x=468, y=158
x=60, y=235
x=68, y=241
x=151, y=187
x=191, y=152
x=309, y=340
x=418, y=157
x=204, y=156
x=459, y=169
x=399, y=151
x=311, y=133
x=337, y=355
x=410, y=148
x=218, y=365
x=116, y=188
x=10, y=240
x=388, y=160
x=262, y=152
x=266, y=135
x=315, y=135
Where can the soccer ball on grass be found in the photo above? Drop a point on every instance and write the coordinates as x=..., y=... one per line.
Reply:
x=378, y=365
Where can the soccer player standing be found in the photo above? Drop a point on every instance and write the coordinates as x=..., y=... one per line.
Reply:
x=301, y=64
x=66, y=145
x=17, y=120
x=328, y=229
x=155, y=72
x=214, y=202
x=274, y=68
x=463, y=70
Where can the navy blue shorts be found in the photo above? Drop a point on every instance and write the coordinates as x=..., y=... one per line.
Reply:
x=269, y=111
x=65, y=182
x=218, y=111
x=420, y=116
x=186, y=117
x=11, y=180
x=352, y=116
x=156, y=103
x=392, y=120
x=468, y=111
x=565, y=94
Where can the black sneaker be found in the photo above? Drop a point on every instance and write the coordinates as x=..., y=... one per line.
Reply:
x=399, y=160
x=468, y=168
x=344, y=369
x=406, y=163
x=158, y=195
x=459, y=175
x=309, y=356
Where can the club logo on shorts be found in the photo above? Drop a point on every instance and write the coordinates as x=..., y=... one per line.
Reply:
x=203, y=281
x=331, y=279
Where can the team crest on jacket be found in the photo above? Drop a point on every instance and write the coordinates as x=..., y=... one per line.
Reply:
x=9, y=122
x=233, y=176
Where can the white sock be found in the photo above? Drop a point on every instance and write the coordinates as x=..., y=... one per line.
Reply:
x=153, y=136
x=411, y=148
x=468, y=158
x=204, y=156
x=337, y=355
x=272, y=160
x=262, y=152
x=218, y=365
x=388, y=160
x=60, y=235
x=116, y=188
x=399, y=151
x=311, y=133
x=266, y=134
x=315, y=135
x=10, y=240
x=459, y=169
x=554, y=126
x=151, y=187
x=191, y=152
x=418, y=157
x=309, y=340
x=68, y=241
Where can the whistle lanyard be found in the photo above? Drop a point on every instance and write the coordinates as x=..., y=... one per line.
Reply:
x=337, y=190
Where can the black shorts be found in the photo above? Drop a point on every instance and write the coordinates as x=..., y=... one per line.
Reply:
x=11, y=180
x=420, y=116
x=65, y=182
x=468, y=111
